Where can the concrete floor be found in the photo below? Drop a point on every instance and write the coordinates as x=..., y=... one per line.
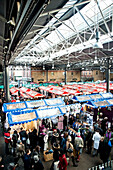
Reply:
x=86, y=160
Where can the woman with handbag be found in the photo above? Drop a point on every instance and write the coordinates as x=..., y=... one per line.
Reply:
x=69, y=149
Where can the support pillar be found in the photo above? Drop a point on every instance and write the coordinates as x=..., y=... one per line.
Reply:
x=107, y=76
x=65, y=76
x=6, y=85
x=46, y=75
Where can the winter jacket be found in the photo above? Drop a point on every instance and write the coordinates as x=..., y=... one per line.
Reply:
x=7, y=137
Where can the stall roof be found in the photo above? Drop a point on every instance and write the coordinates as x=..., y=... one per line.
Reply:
x=8, y=107
x=49, y=112
x=54, y=101
x=100, y=103
x=96, y=96
x=22, y=117
x=83, y=98
x=107, y=95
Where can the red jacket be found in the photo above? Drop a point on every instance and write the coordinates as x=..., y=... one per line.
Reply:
x=63, y=162
x=7, y=137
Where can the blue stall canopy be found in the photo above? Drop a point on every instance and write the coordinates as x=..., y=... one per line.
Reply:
x=15, y=118
x=35, y=103
x=96, y=96
x=54, y=102
x=49, y=112
x=107, y=95
x=7, y=107
x=71, y=109
x=110, y=102
x=82, y=98
x=99, y=103
x=63, y=109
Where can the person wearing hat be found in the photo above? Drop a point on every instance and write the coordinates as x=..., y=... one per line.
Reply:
x=69, y=149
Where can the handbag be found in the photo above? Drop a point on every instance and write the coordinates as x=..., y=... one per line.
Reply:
x=28, y=141
x=70, y=150
x=109, y=143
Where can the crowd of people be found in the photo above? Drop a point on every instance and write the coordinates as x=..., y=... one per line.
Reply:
x=66, y=142
x=65, y=136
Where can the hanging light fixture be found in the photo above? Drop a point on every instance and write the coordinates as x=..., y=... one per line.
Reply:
x=43, y=67
x=95, y=60
x=52, y=65
x=98, y=44
x=68, y=65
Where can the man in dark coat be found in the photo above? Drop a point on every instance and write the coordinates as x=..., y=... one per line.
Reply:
x=104, y=150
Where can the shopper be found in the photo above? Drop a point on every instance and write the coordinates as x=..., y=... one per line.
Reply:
x=96, y=138
x=23, y=136
x=56, y=148
x=7, y=138
x=104, y=150
x=27, y=160
x=78, y=145
x=15, y=137
x=62, y=161
x=69, y=149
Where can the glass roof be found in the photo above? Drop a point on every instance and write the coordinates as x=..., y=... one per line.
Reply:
x=81, y=20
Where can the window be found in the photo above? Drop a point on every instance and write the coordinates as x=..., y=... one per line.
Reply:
x=52, y=73
x=72, y=73
x=96, y=72
x=43, y=74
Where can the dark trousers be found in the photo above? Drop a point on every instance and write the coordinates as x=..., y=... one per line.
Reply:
x=7, y=148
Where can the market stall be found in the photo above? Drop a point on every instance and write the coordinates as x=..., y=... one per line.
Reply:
x=71, y=109
x=101, y=108
x=55, y=101
x=49, y=112
x=82, y=98
x=26, y=119
x=9, y=107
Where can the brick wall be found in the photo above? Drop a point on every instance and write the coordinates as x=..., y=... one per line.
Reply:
x=53, y=75
x=72, y=75
x=98, y=75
